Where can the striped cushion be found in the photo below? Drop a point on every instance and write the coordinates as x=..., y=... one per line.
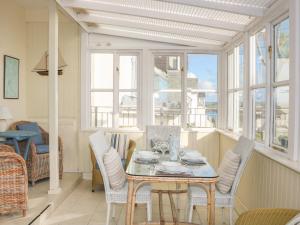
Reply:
x=114, y=169
x=227, y=171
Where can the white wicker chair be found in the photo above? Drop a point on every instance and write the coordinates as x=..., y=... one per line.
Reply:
x=295, y=220
x=99, y=146
x=162, y=132
x=197, y=196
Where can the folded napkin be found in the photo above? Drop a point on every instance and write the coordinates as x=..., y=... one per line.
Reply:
x=172, y=170
x=146, y=161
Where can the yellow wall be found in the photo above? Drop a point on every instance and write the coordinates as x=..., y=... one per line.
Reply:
x=13, y=43
x=265, y=182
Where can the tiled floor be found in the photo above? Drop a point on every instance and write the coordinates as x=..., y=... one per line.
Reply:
x=84, y=207
x=39, y=199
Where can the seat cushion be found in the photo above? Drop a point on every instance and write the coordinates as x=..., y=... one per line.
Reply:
x=227, y=171
x=198, y=197
x=37, y=139
x=114, y=169
x=42, y=149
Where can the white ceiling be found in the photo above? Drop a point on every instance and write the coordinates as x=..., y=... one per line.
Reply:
x=210, y=23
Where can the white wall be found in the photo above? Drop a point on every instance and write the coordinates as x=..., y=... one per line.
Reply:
x=13, y=43
x=69, y=88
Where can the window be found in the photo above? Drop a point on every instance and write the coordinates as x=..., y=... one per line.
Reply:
x=258, y=84
x=167, y=88
x=202, y=86
x=280, y=85
x=235, y=86
x=114, y=90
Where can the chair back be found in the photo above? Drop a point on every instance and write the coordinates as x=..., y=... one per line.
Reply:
x=163, y=133
x=295, y=220
x=100, y=146
x=244, y=148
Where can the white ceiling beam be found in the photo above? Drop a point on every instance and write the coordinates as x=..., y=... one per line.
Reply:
x=72, y=13
x=134, y=22
x=147, y=12
x=231, y=7
x=152, y=36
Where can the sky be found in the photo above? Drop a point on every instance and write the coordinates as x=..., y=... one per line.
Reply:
x=205, y=68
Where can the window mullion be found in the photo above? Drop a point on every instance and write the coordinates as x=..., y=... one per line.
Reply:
x=116, y=76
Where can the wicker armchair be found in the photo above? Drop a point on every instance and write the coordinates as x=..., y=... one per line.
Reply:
x=13, y=181
x=96, y=174
x=269, y=216
x=38, y=164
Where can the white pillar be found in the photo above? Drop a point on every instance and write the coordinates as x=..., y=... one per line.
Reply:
x=294, y=119
x=53, y=99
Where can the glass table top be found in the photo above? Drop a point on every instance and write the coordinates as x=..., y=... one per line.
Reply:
x=140, y=169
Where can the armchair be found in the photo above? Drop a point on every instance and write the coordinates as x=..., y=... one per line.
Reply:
x=13, y=181
x=38, y=157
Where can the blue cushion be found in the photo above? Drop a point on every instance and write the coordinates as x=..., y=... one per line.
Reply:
x=37, y=139
x=41, y=149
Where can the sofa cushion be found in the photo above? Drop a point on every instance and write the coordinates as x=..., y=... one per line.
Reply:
x=41, y=149
x=227, y=171
x=114, y=169
x=37, y=139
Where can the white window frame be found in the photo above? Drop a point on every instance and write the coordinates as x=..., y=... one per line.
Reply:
x=116, y=91
x=184, y=66
x=274, y=85
x=234, y=90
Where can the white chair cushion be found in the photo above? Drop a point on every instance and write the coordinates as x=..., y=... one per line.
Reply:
x=295, y=220
x=198, y=197
x=114, y=169
x=227, y=171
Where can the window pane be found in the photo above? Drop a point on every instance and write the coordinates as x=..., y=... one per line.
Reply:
x=235, y=111
x=167, y=90
x=230, y=71
x=259, y=54
x=101, y=109
x=241, y=67
x=102, y=67
x=167, y=108
x=127, y=109
x=259, y=107
x=128, y=72
x=230, y=111
x=281, y=116
x=282, y=50
x=202, y=84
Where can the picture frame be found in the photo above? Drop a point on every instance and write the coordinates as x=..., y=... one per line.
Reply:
x=11, y=77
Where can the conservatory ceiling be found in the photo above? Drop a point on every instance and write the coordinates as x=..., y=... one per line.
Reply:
x=196, y=23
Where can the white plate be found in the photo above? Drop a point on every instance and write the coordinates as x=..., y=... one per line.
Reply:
x=192, y=154
x=146, y=155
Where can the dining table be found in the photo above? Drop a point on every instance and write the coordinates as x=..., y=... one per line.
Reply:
x=139, y=174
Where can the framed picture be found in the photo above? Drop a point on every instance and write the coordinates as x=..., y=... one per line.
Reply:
x=11, y=77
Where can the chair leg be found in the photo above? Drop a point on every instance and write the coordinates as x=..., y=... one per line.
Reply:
x=190, y=212
x=108, y=213
x=231, y=215
x=223, y=220
x=113, y=209
x=149, y=211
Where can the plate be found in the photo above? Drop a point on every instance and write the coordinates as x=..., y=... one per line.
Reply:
x=146, y=155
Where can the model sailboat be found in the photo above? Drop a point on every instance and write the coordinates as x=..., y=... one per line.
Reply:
x=42, y=67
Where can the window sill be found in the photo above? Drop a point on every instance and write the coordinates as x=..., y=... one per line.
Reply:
x=268, y=152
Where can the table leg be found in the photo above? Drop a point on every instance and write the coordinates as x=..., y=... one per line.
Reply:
x=130, y=203
x=27, y=148
x=211, y=204
x=16, y=144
